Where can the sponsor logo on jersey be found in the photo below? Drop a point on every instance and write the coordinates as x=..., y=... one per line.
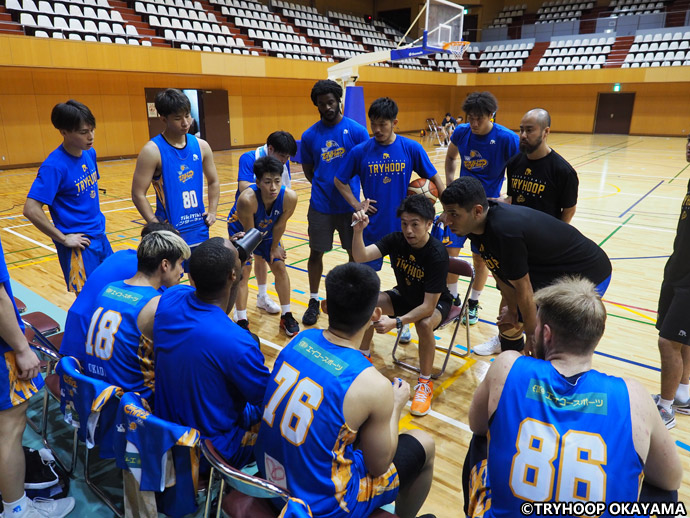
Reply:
x=387, y=180
x=492, y=141
x=528, y=171
x=195, y=157
x=185, y=174
x=410, y=268
x=84, y=168
x=386, y=156
x=331, y=151
x=346, y=131
x=89, y=180
x=527, y=186
x=135, y=411
x=474, y=161
x=265, y=222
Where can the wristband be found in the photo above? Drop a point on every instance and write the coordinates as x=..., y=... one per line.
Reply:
x=398, y=323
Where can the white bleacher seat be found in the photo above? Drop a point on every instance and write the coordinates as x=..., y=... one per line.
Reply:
x=90, y=13
x=75, y=37
x=29, y=6
x=663, y=46
x=41, y=34
x=75, y=25
x=44, y=21
x=61, y=10
x=13, y=5
x=105, y=39
x=90, y=37
x=45, y=7
x=104, y=28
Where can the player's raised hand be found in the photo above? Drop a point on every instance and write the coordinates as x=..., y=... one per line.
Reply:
x=360, y=220
x=367, y=206
x=79, y=241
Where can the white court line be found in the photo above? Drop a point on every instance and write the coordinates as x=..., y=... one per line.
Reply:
x=433, y=413
x=618, y=223
x=30, y=240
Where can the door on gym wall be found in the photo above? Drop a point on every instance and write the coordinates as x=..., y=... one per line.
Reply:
x=614, y=113
x=216, y=118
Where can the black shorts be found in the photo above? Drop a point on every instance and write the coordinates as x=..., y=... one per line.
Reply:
x=409, y=458
x=321, y=228
x=672, y=320
x=402, y=306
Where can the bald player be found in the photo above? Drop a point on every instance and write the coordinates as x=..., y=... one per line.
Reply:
x=538, y=177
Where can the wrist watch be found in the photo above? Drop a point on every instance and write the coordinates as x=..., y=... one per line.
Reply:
x=398, y=323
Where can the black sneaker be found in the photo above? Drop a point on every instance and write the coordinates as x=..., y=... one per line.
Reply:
x=244, y=323
x=289, y=324
x=39, y=469
x=311, y=315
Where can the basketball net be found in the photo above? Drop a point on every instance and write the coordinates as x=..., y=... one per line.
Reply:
x=457, y=48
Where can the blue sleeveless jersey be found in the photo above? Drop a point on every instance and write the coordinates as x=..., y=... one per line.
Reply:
x=552, y=440
x=303, y=430
x=264, y=220
x=180, y=189
x=115, y=350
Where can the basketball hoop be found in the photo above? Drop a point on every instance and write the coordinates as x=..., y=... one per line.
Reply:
x=457, y=48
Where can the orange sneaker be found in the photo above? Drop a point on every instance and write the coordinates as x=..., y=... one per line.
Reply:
x=423, y=392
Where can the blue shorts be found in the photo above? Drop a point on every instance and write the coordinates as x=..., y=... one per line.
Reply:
x=13, y=391
x=77, y=264
x=603, y=286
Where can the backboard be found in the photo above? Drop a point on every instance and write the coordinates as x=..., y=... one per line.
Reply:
x=443, y=23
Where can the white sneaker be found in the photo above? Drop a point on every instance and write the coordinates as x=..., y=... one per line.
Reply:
x=267, y=304
x=406, y=334
x=488, y=348
x=46, y=508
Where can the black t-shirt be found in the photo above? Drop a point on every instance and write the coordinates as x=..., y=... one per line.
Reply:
x=520, y=240
x=678, y=266
x=417, y=270
x=548, y=184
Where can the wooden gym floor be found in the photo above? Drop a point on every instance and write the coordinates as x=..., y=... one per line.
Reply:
x=631, y=190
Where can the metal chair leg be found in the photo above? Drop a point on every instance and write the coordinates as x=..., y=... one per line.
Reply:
x=97, y=490
x=209, y=493
x=221, y=490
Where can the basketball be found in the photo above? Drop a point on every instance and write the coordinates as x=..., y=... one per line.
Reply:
x=423, y=186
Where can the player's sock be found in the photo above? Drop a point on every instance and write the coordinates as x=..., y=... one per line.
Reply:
x=263, y=290
x=241, y=314
x=314, y=296
x=15, y=509
x=424, y=379
x=453, y=288
x=284, y=309
x=665, y=403
x=683, y=393
x=366, y=352
x=475, y=294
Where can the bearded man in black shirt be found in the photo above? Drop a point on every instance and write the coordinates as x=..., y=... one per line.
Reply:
x=525, y=250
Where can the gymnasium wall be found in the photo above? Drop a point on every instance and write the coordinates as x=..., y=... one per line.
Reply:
x=38, y=73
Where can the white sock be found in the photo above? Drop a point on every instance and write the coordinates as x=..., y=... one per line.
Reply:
x=424, y=379
x=15, y=509
x=665, y=403
x=314, y=296
x=366, y=352
x=453, y=288
x=263, y=290
x=241, y=314
x=474, y=294
x=683, y=392
x=284, y=309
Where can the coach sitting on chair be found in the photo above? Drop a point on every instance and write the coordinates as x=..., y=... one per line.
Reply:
x=421, y=296
x=558, y=430
x=210, y=374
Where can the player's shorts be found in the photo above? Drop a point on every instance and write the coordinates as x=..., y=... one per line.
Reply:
x=244, y=452
x=672, y=319
x=13, y=391
x=603, y=286
x=77, y=264
x=264, y=250
x=402, y=306
x=322, y=227
x=475, y=478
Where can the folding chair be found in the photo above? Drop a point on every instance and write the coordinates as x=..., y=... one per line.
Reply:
x=90, y=405
x=434, y=128
x=249, y=498
x=463, y=268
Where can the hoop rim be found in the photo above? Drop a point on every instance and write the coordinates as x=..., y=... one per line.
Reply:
x=455, y=44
